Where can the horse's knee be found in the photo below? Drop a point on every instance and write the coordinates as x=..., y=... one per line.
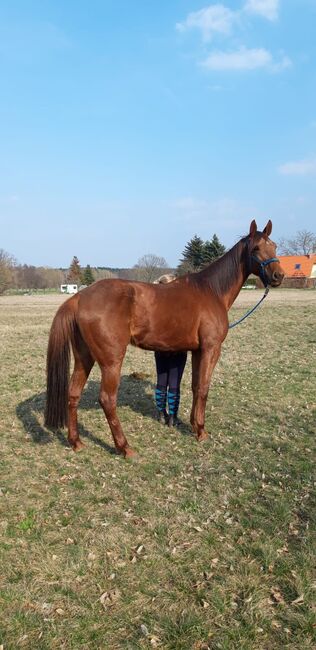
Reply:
x=202, y=393
x=108, y=402
x=73, y=401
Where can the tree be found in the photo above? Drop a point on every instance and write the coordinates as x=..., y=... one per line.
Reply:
x=303, y=243
x=52, y=278
x=103, y=274
x=212, y=250
x=150, y=267
x=7, y=263
x=198, y=253
x=192, y=255
x=37, y=277
x=74, y=275
x=28, y=277
x=87, y=276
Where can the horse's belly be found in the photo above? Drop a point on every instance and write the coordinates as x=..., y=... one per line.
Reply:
x=166, y=341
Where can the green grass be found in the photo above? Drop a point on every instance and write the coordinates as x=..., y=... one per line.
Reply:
x=193, y=546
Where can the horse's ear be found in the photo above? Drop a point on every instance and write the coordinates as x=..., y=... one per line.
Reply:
x=268, y=229
x=253, y=229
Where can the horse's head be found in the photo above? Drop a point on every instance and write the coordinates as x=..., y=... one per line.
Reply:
x=262, y=256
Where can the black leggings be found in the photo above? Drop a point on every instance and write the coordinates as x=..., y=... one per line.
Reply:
x=170, y=369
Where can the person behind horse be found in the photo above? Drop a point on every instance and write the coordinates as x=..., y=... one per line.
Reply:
x=169, y=367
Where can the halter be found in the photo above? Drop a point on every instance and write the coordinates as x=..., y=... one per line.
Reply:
x=262, y=271
x=264, y=278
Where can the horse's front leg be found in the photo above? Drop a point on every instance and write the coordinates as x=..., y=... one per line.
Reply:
x=203, y=364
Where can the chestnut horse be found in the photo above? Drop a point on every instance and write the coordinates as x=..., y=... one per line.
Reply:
x=190, y=313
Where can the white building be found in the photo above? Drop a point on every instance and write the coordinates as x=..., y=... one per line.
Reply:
x=69, y=288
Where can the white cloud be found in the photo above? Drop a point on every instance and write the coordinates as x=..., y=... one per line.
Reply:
x=242, y=59
x=266, y=8
x=245, y=59
x=299, y=168
x=215, y=19
x=218, y=20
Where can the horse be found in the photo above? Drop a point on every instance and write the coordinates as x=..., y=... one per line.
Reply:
x=189, y=313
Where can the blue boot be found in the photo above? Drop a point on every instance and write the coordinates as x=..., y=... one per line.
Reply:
x=160, y=399
x=173, y=407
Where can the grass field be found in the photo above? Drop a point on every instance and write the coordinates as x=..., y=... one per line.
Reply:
x=193, y=546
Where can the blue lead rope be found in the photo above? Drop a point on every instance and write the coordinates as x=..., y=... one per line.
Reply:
x=263, y=276
x=231, y=325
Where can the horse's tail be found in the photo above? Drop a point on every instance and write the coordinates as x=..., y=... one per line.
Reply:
x=62, y=334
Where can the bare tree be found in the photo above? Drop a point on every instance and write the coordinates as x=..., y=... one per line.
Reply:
x=127, y=274
x=303, y=243
x=103, y=274
x=28, y=277
x=51, y=278
x=150, y=267
x=37, y=277
x=7, y=263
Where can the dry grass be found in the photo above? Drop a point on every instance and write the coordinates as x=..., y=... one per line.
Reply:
x=193, y=546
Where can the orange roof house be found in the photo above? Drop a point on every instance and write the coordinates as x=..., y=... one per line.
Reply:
x=299, y=266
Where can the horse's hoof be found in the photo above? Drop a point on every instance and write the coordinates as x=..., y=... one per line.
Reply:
x=202, y=436
x=78, y=445
x=130, y=453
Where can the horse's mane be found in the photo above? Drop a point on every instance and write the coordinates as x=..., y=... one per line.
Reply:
x=220, y=274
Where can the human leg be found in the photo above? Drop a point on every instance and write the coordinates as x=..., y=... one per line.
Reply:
x=162, y=369
x=176, y=369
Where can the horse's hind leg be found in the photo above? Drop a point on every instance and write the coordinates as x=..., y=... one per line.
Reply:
x=83, y=365
x=108, y=399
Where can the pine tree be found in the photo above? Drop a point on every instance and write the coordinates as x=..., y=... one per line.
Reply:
x=198, y=254
x=192, y=256
x=208, y=253
x=74, y=275
x=87, y=276
x=219, y=249
x=212, y=250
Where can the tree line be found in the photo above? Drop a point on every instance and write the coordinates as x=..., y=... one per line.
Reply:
x=148, y=268
x=196, y=254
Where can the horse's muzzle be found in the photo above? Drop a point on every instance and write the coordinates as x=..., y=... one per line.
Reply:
x=276, y=278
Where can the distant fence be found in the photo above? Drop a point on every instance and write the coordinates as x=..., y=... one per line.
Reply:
x=294, y=283
x=299, y=283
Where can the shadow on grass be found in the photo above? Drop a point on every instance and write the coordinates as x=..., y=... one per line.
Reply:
x=132, y=393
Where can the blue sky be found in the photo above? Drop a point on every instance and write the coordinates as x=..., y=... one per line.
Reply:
x=126, y=128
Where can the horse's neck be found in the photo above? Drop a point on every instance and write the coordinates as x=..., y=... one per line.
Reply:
x=231, y=273
x=230, y=296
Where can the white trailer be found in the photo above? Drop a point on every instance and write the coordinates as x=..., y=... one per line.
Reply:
x=69, y=288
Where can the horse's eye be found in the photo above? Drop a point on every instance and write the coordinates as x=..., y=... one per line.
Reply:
x=255, y=249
